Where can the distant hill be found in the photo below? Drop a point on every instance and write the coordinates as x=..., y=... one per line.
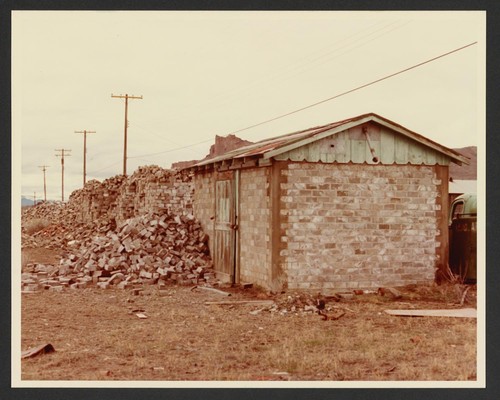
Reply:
x=465, y=172
x=26, y=202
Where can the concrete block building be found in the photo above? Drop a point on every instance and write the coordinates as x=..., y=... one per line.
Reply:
x=358, y=203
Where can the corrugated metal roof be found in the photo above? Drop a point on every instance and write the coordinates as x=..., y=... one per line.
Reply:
x=268, y=148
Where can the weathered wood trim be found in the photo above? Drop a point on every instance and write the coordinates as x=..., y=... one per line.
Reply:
x=442, y=252
x=236, y=163
x=319, y=136
x=276, y=278
x=264, y=162
x=459, y=159
x=237, y=253
x=406, y=134
x=249, y=162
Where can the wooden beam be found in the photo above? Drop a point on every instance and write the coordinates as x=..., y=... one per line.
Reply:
x=276, y=273
x=442, y=252
x=236, y=163
x=241, y=302
x=249, y=162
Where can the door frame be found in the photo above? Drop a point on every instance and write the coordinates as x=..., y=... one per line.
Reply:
x=233, y=176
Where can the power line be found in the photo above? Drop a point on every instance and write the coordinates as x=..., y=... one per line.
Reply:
x=355, y=89
x=102, y=169
x=170, y=150
x=319, y=102
x=302, y=65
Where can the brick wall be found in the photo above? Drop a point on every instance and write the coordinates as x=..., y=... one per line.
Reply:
x=254, y=226
x=350, y=226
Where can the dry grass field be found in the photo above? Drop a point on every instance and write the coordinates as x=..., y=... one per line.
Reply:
x=97, y=335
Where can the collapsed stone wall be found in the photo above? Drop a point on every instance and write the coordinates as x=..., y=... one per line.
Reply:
x=148, y=189
x=122, y=231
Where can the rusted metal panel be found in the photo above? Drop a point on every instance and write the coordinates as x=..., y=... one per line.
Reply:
x=301, y=145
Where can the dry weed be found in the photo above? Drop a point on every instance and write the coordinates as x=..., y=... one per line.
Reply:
x=97, y=336
x=35, y=225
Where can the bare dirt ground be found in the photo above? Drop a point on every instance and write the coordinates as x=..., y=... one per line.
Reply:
x=98, y=335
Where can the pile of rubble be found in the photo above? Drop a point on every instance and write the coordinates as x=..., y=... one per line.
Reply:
x=153, y=248
x=121, y=231
x=50, y=211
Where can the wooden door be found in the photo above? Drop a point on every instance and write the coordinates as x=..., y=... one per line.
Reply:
x=225, y=216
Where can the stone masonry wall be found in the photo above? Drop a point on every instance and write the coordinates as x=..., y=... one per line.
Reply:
x=254, y=226
x=358, y=226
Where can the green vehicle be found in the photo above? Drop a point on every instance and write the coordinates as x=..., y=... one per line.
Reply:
x=462, y=224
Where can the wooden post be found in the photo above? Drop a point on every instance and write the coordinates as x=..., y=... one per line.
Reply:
x=84, y=153
x=44, y=168
x=64, y=152
x=126, y=97
x=276, y=273
x=442, y=252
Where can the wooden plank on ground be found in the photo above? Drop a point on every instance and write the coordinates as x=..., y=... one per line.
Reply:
x=458, y=313
x=241, y=302
x=42, y=349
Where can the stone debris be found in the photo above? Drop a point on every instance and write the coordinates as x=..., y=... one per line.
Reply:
x=146, y=249
x=122, y=232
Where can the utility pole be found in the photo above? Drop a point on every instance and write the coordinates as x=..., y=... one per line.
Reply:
x=44, y=168
x=84, y=153
x=62, y=167
x=34, y=198
x=126, y=97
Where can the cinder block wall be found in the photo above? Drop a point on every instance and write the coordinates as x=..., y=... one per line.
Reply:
x=254, y=226
x=358, y=226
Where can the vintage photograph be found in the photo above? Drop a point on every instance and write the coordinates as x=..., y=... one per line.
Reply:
x=248, y=198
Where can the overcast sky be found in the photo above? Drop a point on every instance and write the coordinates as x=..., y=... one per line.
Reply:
x=203, y=74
